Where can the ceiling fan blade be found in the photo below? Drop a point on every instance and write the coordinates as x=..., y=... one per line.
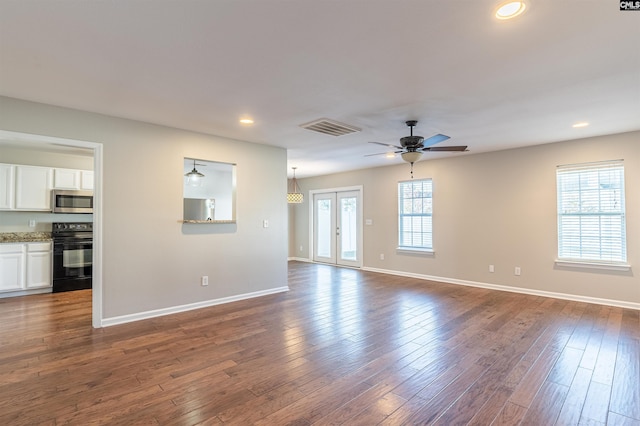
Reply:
x=383, y=153
x=435, y=139
x=387, y=144
x=446, y=148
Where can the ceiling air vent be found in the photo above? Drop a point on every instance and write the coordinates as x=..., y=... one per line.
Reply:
x=330, y=127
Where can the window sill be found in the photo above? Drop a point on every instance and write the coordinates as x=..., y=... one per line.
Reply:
x=593, y=265
x=408, y=250
x=207, y=221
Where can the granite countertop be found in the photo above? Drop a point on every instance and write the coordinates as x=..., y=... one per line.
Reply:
x=24, y=237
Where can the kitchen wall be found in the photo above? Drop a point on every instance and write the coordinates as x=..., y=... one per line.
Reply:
x=15, y=221
x=151, y=261
x=34, y=156
x=495, y=208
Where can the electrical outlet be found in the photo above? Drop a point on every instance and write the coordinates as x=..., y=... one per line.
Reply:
x=491, y=268
x=301, y=248
x=32, y=223
x=381, y=256
x=517, y=271
x=204, y=280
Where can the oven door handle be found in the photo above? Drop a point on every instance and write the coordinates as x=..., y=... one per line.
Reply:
x=59, y=249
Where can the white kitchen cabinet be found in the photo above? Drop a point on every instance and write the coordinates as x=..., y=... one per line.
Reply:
x=7, y=186
x=86, y=180
x=12, y=267
x=38, y=265
x=73, y=179
x=66, y=179
x=28, y=188
x=33, y=188
x=25, y=266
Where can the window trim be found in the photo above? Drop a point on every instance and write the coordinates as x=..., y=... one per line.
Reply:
x=592, y=263
x=578, y=263
x=423, y=250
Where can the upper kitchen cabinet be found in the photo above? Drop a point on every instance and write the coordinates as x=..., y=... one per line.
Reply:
x=72, y=179
x=7, y=185
x=33, y=188
x=66, y=179
x=28, y=188
x=86, y=181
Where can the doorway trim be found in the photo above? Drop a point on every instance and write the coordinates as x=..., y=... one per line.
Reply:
x=96, y=293
x=312, y=192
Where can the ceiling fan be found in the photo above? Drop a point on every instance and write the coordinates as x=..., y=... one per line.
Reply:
x=413, y=146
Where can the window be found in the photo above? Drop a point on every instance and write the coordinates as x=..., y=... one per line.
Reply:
x=591, y=223
x=415, y=215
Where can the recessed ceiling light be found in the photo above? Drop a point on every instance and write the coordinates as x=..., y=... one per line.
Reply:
x=581, y=124
x=510, y=9
x=246, y=121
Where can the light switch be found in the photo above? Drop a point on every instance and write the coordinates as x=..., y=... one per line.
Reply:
x=265, y=223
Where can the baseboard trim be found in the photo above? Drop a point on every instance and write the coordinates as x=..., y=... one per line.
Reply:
x=17, y=293
x=123, y=319
x=299, y=259
x=564, y=296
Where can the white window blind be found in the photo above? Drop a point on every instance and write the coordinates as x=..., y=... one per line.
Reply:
x=591, y=212
x=415, y=209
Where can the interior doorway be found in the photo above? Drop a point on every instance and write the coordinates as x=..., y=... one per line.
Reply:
x=337, y=226
x=46, y=142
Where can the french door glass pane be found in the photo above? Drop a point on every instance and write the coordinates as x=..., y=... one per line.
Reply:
x=348, y=228
x=324, y=228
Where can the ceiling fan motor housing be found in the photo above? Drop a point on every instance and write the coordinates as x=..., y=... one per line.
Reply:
x=411, y=141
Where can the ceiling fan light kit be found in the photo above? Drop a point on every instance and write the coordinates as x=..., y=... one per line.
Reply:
x=411, y=156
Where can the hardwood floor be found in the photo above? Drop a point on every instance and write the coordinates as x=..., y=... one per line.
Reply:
x=342, y=347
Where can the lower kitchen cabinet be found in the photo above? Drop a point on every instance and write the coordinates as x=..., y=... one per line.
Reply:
x=38, y=265
x=12, y=267
x=25, y=266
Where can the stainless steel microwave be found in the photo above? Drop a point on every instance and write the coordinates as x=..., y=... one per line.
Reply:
x=66, y=201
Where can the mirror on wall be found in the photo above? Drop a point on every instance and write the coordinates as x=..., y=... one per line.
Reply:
x=209, y=193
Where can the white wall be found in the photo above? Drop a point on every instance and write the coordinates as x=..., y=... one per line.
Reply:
x=150, y=259
x=496, y=208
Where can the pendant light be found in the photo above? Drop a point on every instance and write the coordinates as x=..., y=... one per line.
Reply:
x=294, y=196
x=194, y=176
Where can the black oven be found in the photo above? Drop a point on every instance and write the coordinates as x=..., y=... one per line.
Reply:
x=72, y=255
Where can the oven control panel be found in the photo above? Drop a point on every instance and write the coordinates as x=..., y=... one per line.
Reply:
x=62, y=227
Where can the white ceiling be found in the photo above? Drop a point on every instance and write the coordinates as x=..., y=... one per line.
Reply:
x=201, y=65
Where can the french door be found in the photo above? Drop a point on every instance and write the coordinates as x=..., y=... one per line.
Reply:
x=337, y=228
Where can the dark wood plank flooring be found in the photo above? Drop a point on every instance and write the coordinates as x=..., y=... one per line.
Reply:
x=342, y=347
